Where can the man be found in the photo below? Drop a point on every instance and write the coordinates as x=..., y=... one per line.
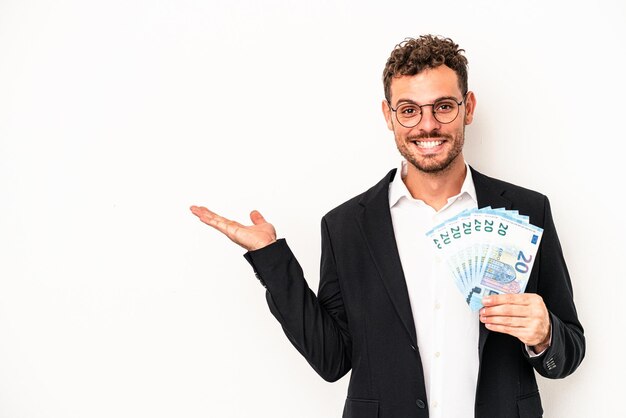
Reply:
x=386, y=308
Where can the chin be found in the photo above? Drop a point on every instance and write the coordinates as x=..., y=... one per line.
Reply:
x=432, y=167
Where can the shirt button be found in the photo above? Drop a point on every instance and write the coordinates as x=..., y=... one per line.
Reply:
x=437, y=305
x=420, y=404
x=435, y=404
x=437, y=354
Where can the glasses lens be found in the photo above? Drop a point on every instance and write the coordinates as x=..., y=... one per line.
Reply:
x=408, y=114
x=446, y=110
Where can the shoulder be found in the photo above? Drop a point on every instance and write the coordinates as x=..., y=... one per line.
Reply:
x=505, y=188
x=378, y=193
x=526, y=200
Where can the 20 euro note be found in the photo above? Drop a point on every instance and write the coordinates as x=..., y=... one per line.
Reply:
x=450, y=243
x=508, y=261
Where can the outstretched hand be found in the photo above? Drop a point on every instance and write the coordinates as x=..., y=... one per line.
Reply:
x=251, y=237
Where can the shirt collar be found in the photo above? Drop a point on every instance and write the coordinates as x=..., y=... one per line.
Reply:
x=398, y=190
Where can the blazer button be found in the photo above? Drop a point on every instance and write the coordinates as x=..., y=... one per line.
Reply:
x=420, y=404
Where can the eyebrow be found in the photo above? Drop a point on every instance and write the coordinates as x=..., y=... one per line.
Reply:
x=435, y=101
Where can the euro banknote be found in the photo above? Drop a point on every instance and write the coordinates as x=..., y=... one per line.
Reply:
x=487, y=251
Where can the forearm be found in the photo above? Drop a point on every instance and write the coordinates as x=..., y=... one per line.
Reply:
x=318, y=330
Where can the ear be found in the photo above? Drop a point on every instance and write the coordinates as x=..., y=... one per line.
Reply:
x=470, y=107
x=387, y=114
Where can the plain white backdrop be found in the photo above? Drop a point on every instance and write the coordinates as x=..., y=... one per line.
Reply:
x=116, y=116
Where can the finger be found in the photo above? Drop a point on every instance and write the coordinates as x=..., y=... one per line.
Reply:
x=526, y=335
x=509, y=321
x=224, y=225
x=257, y=218
x=505, y=310
x=196, y=209
x=201, y=211
x=526, y=327
x=507, y=298
x=207, y=216
x=204, y=214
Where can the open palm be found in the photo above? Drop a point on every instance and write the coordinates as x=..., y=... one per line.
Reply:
x=251, y=237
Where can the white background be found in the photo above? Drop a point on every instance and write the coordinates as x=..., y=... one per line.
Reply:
x=117, y=115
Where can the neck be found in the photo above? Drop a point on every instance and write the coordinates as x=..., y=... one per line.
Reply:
x=436, y=188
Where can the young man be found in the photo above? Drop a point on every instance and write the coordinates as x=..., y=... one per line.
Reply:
x=386, y=308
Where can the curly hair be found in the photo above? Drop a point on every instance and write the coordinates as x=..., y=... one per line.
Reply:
x=412, y=56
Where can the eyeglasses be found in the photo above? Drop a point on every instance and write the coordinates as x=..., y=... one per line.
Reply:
x=409, y=115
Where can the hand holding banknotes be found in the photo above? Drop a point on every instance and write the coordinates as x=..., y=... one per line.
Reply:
x=251, y=237
x=523, y=316
x=490, y=254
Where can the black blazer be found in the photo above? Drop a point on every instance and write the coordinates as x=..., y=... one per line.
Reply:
x=361, y=319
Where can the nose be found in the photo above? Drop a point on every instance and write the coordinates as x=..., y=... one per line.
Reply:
x=428, y=122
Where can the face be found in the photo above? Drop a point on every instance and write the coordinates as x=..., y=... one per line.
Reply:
x=430, y=146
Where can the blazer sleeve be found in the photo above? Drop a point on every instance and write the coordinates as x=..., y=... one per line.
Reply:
x=316, y=325
x=567, y=348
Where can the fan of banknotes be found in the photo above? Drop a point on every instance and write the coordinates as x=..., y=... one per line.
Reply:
x=489, y=251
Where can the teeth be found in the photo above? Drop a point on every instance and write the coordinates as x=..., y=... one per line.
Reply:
x=428, y=144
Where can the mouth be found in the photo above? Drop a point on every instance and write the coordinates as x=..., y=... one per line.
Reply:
x=428, y=144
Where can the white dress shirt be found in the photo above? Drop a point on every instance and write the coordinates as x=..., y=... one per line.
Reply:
x=447, y=330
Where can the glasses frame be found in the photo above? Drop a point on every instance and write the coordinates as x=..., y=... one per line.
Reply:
x=432, y=105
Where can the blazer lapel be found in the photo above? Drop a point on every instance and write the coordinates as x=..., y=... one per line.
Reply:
x=377, y=229
x=489, y=193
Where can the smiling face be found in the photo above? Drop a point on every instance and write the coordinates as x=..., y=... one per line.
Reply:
x=430, y=146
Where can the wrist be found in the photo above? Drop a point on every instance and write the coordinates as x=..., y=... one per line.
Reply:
x=543, y=345
x=540, y=348
x=261, y=244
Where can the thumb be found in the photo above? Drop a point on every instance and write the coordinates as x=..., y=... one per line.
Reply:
x=257, y=218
